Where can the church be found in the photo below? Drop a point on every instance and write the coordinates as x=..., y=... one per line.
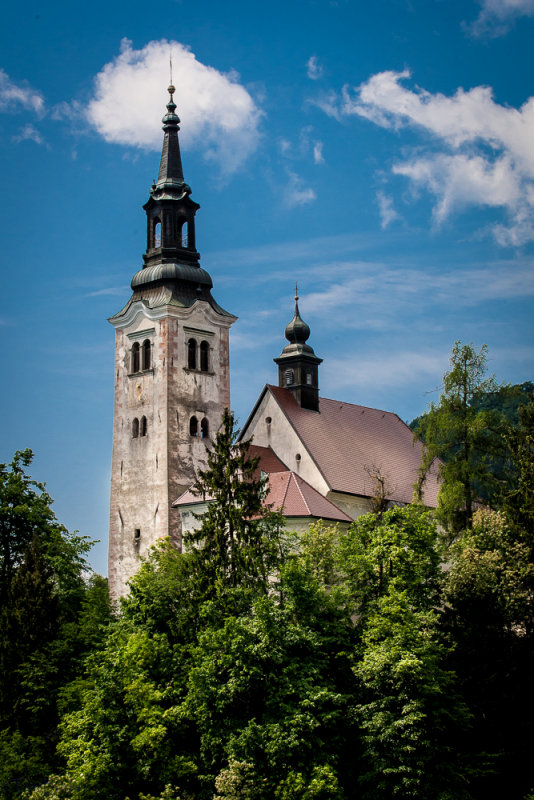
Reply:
x=324, y=459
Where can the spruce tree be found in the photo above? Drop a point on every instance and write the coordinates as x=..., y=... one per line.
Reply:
x=236, y=543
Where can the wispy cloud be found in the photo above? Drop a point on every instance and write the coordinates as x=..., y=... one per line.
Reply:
x=292, y=251
x=496, y=17
x=385, y=207
x=318, y=157
x=328, y=102
x=29, y=133
x=314, y=69
x=306, y=145
x=13, y=96
x=112, y=290
x=382, y=296
x=296, y=193
x=478, y=152
x=221, y=116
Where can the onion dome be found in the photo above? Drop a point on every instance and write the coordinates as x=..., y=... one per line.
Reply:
x=297, y=332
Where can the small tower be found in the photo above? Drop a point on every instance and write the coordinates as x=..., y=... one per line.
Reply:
x=172, y=378
x=298, y=366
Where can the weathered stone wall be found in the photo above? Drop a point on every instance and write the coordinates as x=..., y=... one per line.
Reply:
x=149, y=472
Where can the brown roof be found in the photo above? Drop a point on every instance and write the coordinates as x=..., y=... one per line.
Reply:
x=349, y=442
x=287, y=493
x=294, y=497
x=269, y=461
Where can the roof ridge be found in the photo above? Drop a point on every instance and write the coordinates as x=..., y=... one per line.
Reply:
x=285, y=492
x=300, y=490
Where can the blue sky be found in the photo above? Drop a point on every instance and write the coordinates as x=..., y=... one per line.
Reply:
x=382, y=155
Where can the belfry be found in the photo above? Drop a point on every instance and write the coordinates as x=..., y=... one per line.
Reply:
x=172, y=379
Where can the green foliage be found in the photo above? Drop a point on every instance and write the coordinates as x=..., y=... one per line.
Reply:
x=519, y=500
x=396, y=549
x=489, y=591
x=465, y=437
x=49, y=619
x=369, y=662
x=237, y=543
x=507, y=400
x=410, y=714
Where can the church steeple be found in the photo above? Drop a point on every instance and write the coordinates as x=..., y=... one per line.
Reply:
x=170, y=210
x=170, y=169
x=298, y=365
x=172, y=376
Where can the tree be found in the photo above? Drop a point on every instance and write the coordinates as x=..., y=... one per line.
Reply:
x=464, y=439
x=489, y=620
x=237, y=543
x=44, y=599
x=409, y=711
x=385, y=571
x=519, y=500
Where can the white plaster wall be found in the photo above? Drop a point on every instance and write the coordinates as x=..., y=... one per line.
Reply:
x=283, y=439
x=353, y=505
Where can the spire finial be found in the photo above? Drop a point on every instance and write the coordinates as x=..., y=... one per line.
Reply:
x=296, y=293
x=171, y=88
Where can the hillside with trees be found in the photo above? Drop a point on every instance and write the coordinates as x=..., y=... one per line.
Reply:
x=386, y=661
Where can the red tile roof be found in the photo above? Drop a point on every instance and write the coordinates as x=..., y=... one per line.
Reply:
x=287, y=491
x=347, y=442
x=290, y=494
x=269, y=461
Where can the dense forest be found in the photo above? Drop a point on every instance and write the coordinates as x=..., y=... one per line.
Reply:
x=389, y=659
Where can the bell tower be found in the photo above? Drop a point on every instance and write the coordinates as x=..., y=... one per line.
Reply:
x=298, y=366
x=172, y=378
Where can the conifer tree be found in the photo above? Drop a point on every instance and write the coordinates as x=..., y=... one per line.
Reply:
x=236, y=542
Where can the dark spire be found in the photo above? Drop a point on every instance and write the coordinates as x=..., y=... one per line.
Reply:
x=171, y=273
x=171, y=175
x=297, y=332
x=298, y=364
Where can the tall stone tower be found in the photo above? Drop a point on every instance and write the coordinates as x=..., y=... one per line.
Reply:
x=171, y=372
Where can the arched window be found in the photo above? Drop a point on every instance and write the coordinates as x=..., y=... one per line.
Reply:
x=192, y=354
x=135, y=357
x=143, y=426
x=146, y=354
x=204, y=429
x=185, y=234
x=193, y=426
x=157, y=233
x=308, y=378
x=135, y=428
x=204, y=356
x=289, y=377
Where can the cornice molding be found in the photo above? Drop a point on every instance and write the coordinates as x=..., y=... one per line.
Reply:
x=140, y=308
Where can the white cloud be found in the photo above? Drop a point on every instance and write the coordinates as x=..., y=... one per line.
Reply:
x=285, y=147
x=389, y=292
x=12, y=96
x=314, y=69
x=29, y=133
x=318, y=157
x=387, y=212
x=479, y=152
x=497, y=16
x=329, y=103
x=296, y=193
x=219, y=117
